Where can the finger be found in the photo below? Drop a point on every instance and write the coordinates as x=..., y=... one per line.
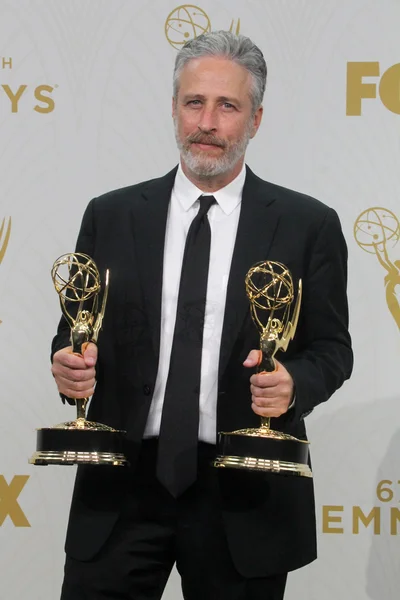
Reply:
x=263, y=402
x=66, y=358
x=66, y=391
x=74, y=375
x=266, y=392
x=267, y=411
x=253, y=358
x=266, y=380
x=75, y=389
x=90, y=355
x=78, y=375
x=79, y=389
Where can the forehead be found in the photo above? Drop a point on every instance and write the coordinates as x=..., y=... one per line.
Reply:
x=214, y=75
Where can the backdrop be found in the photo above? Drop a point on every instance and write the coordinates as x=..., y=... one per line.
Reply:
x=85, y=107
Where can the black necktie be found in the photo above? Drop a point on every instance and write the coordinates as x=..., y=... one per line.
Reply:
x=178, y=439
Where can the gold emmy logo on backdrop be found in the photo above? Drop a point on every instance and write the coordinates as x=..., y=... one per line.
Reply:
x=4, y=238
x=41, y=93
x=9, y=506
x=341, y=519
x=187, y=22
x=357, y=89
x=376, y=231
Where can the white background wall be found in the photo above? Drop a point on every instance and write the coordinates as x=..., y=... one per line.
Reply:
x=110, y=65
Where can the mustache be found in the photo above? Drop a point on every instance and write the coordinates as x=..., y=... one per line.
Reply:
x=204, y=138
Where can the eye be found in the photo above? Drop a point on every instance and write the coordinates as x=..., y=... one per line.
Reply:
x=194, y=102
x=228, y=105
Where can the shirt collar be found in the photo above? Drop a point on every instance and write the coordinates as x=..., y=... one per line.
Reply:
x=227, y=197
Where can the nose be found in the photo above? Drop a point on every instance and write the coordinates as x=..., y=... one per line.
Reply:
x=207, y=122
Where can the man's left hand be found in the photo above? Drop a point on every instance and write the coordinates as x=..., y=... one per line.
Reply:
x=271, y=393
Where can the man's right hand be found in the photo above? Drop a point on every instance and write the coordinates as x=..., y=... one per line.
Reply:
x=74, y=374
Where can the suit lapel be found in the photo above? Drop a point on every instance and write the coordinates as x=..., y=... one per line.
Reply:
x=149, y=221
x=258, y=222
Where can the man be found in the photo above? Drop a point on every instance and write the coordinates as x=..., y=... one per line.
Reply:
x=176, y=358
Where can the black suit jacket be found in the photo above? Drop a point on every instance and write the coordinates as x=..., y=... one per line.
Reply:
x=269, y=519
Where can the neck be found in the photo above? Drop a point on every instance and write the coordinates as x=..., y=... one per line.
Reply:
x=214, y=183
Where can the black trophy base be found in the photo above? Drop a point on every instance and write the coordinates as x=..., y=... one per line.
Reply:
x=79, y=442
x=263, y=450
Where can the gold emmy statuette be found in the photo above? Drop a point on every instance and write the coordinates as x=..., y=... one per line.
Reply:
x=77, y=282
x=377, y=231
x=270, y=289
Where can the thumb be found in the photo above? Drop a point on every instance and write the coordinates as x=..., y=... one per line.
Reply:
x=90, y=355
x=253, y=358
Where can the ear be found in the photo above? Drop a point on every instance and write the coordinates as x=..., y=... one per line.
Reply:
x=257, y=120
x=173, y=108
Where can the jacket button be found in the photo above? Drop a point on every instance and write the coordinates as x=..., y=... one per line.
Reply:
x=146, y=390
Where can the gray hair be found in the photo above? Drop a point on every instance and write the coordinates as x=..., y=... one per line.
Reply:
x=237, y=48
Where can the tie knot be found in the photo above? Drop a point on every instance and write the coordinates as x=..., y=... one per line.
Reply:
x=205, y=203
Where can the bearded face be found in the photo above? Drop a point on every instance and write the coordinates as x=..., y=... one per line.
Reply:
x=213, y=115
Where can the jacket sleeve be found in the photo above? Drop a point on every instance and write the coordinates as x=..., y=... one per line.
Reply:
x=324, y=359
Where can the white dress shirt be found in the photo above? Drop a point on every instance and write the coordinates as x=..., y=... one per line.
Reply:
x=223, y=218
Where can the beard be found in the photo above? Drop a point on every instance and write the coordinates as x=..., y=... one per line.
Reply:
x=205, y=166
